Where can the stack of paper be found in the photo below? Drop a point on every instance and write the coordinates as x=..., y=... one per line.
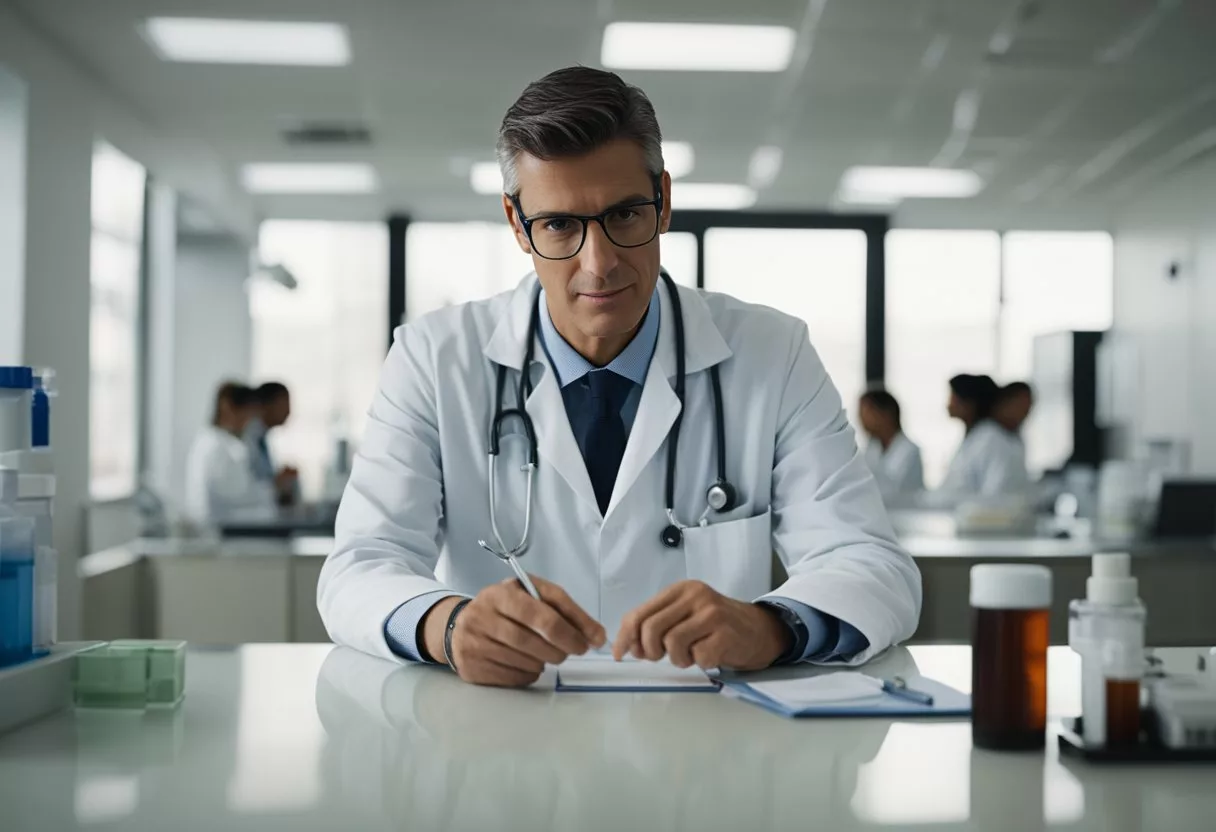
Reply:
x=829, y=688
x=601, y=673
x=847, y=693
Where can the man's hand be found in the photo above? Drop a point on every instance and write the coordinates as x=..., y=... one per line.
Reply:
x=505, y=637
x=692, y=624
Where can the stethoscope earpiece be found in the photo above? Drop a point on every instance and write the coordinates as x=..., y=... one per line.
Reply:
x=672, y=537
x=721, y=496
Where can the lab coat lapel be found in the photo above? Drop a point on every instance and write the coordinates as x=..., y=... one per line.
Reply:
x=659, y=406
x=554, y=437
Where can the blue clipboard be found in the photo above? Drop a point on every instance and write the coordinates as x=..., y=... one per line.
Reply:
x=947, y=702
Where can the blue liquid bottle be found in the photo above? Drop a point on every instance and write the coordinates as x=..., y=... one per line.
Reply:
x=16, y=576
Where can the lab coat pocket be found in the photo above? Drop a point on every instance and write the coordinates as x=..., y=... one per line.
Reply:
x=735, y=557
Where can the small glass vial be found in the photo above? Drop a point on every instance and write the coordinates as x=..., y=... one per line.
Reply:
x=1009, y=631
x=1107, y=630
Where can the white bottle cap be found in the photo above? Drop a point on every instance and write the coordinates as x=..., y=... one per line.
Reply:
x=1112, y=581
x=1009, y=586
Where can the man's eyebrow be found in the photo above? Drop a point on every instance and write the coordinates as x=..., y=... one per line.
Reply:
x=632, y=199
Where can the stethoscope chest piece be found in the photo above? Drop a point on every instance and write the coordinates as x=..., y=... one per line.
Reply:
x=671, y=536
x=721, y=496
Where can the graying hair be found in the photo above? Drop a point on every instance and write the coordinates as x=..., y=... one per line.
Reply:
x=573, y=111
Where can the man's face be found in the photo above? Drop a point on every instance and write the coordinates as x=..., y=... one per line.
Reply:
x=1014, y=409
x=603, y=291
x=869, y=422
x=277, y=412
x=959, y=408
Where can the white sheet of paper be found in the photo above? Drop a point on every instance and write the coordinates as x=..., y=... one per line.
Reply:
x=596, y=671
x=850, y=687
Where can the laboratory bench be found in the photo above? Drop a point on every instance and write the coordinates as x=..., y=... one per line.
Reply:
x=236, y=590
x=313, y=737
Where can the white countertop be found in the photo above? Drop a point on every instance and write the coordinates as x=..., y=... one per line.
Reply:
x=311, y=737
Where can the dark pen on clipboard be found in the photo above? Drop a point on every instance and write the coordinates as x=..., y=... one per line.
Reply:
x=897, y=686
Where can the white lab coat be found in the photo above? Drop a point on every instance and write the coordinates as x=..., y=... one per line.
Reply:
x=417, y=500
x=897, y=469
x=220, y=484
x=990, y=462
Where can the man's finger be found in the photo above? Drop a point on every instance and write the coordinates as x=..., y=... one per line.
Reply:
x=489, y=672
x=545, y=621
x=680, y=639
x=560, y=600
x=708, y=652
x=656, y=627
x=628, y=637
x=523, y=640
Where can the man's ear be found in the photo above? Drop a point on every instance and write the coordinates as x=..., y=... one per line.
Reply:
x=665, y=190
x=517, y=225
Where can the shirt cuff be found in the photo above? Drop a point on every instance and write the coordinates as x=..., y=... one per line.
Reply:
x=401, y=628
x=827, y=637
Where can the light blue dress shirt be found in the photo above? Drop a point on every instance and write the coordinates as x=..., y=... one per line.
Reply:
x=820, y=637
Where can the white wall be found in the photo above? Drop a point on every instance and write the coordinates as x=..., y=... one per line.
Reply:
x=1172, y=322
x=12, y=216
x=68, y=108
x=212, y=338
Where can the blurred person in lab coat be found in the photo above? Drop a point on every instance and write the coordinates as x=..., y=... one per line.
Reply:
x=1013, y=404
x=220, y=484
x=891, y=455
x=273, y=411
x=990, y=461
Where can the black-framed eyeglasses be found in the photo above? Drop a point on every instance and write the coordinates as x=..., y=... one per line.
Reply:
x=561, y=236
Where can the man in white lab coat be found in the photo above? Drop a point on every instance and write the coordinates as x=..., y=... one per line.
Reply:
x=892, y=456
x=596, y=331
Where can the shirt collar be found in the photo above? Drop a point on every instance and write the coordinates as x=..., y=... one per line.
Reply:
x=632, y=363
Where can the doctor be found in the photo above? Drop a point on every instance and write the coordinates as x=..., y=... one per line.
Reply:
x=655, y=505
x=220, y=485
x=892, y=456
x=990, y=461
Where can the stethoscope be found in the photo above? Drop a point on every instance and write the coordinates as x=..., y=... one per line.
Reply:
x=719, y=497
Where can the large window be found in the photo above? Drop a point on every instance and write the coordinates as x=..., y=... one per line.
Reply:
x=1053, y=282
x=817, y=275
x=974, y=302
x=943, y=296
x=449, y=263
x=324, y=339
x=678, y=251
x=114, y=375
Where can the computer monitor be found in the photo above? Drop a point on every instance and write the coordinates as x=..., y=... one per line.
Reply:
x=1187, y=509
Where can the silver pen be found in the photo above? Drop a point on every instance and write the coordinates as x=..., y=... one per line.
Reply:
x=523, y=577
x=898, y=687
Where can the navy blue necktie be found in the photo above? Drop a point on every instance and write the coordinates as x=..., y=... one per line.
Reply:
x=600, y=431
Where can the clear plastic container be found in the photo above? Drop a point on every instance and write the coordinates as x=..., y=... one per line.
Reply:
x=16, y=589
x=1107, y=630
x=16, y=578
x=131, y=674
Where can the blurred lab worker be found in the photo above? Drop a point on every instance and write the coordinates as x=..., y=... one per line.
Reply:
x=1013, y=404
x=679, y=438
x=990, y=461
x=274, y=409
x=891, y=455
x=220, y=485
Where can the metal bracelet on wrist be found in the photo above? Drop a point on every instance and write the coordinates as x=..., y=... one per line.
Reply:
x=447, y=633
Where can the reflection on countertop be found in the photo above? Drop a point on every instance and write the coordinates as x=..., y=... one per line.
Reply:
x=310, y=737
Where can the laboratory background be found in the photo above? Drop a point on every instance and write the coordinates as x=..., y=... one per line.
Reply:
x=996, y=217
